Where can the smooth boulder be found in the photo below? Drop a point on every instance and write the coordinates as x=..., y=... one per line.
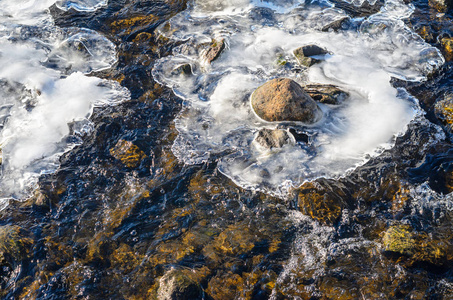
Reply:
x=283, y=99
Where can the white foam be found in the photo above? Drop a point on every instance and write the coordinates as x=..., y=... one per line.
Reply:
x=45, y=90
x=362, y=61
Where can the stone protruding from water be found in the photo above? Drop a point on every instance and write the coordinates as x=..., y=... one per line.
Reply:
x=214, y=51
x=326, y=93
x=273, y=138
x=179, y=285
x=283, y=99
x=305, y=54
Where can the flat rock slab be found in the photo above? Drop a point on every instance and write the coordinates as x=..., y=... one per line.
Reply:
x=326, y=93
x=283, y=99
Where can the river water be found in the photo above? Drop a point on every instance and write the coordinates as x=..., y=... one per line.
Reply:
x=122, y=178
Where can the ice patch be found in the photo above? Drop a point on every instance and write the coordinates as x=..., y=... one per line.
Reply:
x=260, y=39
x=46, y=96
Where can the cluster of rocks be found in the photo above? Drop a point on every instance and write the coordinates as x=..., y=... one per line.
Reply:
x=284, y=100
x=280, y=99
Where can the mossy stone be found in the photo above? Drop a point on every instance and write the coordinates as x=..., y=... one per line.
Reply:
x=400, y=239
x=179, y=285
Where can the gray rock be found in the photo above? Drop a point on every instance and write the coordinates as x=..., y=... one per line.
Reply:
x=273, y=138
x=335, y=25
x=282, y=99
x=304, y=54
x=214, y=51
x=326, y=93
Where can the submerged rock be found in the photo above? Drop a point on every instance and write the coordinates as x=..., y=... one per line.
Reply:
x=441, y=5
x=321, y=201
x=273, y=138
x=304, y=54
x=128, y=153
x=326, y=93
x=282, y=99
x=15, y=245
x=402, y=240
x=444, y=111
x=179, y=285
x=214, y=51
x=399, y=239
x=447, y=47
x=185, y=69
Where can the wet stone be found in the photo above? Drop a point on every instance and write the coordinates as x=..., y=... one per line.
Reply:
x=283, y=99
x=273, y=138
x=304, y=54
x=441, y=5
x=326, y=93
x=418, y=247
x=15, y=244
x=214, y=51
x=447, y=47
x=399, y=239
x=185, y=69
x=179, y=285
x=335, y=25
x=128, y=153
x=444, y=111
x=322, y=204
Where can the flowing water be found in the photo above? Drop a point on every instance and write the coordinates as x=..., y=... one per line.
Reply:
x=124, y=178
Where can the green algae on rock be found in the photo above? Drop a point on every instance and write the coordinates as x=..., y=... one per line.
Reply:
x=321, y=203
x=179, y=285
x=400, y=239
x=443, y=110
x=15, y=244
x=128, y=153
x=417, y=246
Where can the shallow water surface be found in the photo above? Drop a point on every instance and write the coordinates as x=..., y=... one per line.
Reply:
x=125, y=177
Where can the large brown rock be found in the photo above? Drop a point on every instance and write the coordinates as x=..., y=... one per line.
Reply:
x=282, y=99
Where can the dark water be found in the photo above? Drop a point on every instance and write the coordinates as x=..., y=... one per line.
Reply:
x=99, y=228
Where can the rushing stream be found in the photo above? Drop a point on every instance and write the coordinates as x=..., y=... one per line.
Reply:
x=130, y=167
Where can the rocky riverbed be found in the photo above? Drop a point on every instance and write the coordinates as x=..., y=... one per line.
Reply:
x=152, y=202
